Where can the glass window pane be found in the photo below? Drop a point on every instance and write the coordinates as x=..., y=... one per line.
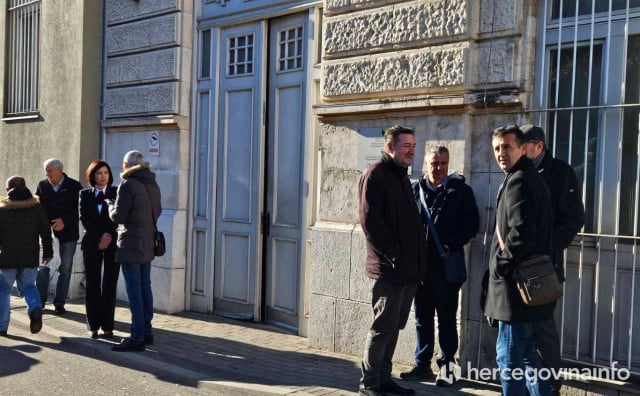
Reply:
x=585, y=7
x=241, y=41
x=583, y=145
x=241, y=53
x=205, y=54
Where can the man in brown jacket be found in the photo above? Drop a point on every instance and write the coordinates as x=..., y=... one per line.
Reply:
x=396, y=254
x=22, y=224
x=136, y=211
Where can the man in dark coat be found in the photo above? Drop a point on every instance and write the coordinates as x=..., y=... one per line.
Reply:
x=568, y=218
x=396, y=254
x=454, y=213
x=23, y=224
x=523, y=227
x=59, y=197
x=136, y=210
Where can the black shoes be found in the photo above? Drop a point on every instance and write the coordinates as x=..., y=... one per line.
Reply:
x=59, y=310
x=418, y=373
x=36, y=320
x=393, y=388
x=127, y=345
x=364, y=391
x=148, y=340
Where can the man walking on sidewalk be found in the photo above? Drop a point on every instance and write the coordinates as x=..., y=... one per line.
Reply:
x=396, y=255
x=22, y=221
x=59, y=197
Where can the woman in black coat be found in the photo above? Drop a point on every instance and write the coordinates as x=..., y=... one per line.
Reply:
x=98, y=246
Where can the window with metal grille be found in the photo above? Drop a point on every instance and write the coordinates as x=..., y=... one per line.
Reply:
x=290, y=49
x=587, y=98
x=240, y=59
x=22, y=50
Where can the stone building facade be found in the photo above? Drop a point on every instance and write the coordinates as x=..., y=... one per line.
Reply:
x=52, y=56
x=147, y=83
x=453, y=71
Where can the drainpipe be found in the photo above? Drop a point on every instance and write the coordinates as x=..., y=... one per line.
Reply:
x=103, y=79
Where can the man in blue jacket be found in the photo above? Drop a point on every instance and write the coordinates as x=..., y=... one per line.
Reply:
x=454, y=213
x=59, y=196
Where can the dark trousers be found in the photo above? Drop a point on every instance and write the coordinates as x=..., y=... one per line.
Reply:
x=100, y=298
x=436, y=295
x=547, y=343
x=391, y=306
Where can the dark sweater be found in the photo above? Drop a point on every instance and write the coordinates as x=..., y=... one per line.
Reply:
x=62, y=204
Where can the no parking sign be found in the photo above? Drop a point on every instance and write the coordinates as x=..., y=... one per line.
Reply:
x=153, y=139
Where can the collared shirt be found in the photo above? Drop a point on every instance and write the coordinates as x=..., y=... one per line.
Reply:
x=56, y=187
x=104, y=191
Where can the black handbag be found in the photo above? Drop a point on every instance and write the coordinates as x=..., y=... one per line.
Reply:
x=536, y=278
x=159, y=245
x=537, y=281
x=455, y=269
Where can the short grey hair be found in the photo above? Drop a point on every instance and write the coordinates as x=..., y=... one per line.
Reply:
x=133, y=158
x=56, y=163
x=438, y=150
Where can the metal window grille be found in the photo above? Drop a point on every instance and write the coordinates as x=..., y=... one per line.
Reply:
x=587, y=96
x=290, y=49
x=240, y=60
x=23, y=28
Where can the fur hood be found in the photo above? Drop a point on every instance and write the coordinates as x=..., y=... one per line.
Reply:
x=126, y=174
x=9, y=204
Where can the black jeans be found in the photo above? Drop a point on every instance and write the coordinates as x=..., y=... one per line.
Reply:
x=436, y=295
x=391, y=306
x=547, y=340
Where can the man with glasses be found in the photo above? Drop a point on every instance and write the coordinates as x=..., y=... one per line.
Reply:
x=568, y=218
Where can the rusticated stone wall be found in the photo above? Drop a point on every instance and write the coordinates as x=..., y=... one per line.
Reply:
x=424, y=64
x=399, y=25
x=394, y=32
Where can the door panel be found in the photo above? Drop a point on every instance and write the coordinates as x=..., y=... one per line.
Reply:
x=284, y=189
x=240, y=153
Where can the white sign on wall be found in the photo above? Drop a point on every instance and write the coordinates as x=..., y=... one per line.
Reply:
x=153, y=139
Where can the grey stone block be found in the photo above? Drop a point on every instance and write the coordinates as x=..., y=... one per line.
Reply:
x=350, y=5
x=360, y=285
x=353, y=320
x=339, y=195
x=497, y=62
x=144, y=99
x=498, y=15
x=322, y=321
x=330, y=262
x=162, y=31
x=140, y=68
x=124, y=10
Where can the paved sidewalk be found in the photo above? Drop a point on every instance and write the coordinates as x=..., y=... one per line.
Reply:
x=225, y=356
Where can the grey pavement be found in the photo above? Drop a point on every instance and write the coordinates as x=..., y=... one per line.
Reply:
x=221, y=355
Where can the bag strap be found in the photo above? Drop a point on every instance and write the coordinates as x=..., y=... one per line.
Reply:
x=432, y=227
x=153, y=215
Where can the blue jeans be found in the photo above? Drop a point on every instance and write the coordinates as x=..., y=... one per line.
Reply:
x=137, y=279
x=26, y=279
x=67, y=251
x=391, y=305
x=436, y=295
x=518, y=360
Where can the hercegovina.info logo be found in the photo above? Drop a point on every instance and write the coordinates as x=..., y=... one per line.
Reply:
x=487, y=374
